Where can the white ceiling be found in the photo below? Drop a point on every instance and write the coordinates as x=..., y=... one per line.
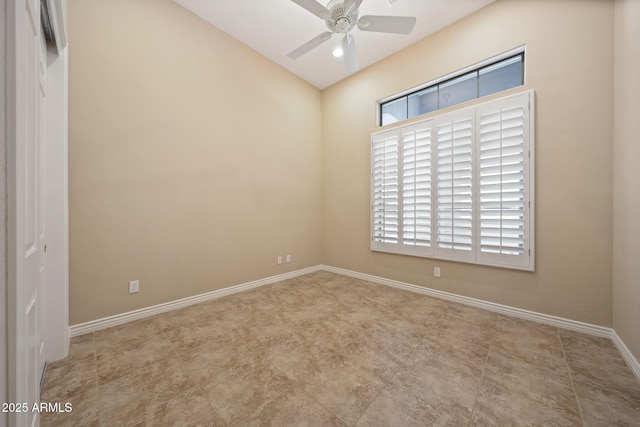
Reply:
x=276, y=27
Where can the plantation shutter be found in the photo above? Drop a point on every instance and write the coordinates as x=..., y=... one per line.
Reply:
x=416, y=189
x=454, y=225
x=458, y=186
x=502, y=175
x=385, y=191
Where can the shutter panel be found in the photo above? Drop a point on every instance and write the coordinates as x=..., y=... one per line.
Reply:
x=416, y=189
x=502, y=174
x=454, y=186
x=385, y=191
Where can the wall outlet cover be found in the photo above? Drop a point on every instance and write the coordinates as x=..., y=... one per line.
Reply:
x=134, y=286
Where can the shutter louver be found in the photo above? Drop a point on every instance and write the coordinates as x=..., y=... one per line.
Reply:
x=385, y=190
x=416, y=189
x=454, y=186
x=502, y=177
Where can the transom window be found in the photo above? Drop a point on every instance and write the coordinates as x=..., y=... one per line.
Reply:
x=493, y=76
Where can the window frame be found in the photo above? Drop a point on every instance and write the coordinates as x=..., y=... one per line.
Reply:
x=436, y=83
x=476, y=255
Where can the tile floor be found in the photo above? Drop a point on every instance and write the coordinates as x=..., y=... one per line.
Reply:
x=329, y=350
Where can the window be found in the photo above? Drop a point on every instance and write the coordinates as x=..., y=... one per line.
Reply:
x=458, y=186
x=498, y=75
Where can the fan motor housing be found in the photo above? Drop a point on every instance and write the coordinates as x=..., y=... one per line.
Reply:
x=339, y=21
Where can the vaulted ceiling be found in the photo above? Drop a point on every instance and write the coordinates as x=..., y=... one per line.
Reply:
x=276, y=27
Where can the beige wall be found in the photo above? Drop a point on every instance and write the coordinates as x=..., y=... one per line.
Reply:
x=569, y=65
x=193, y=161
x=626, y=177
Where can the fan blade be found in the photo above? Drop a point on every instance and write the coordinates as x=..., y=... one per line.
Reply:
x=350, y=54
x=314, y=7
x=387, y=24
x=351, y=5
x=311, y=44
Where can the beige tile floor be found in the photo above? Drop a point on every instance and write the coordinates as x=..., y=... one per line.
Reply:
x=328, y=350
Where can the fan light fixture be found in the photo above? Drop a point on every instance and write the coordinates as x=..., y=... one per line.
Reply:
x=342, y=16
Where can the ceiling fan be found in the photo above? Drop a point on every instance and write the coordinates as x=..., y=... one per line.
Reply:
x=342, y=16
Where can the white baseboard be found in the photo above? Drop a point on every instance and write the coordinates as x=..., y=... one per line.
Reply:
x=533, y=316
x=485, y=305
x=626, y=353
x=118, y=319
x=600, y=331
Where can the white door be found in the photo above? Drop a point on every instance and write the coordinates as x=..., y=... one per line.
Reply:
x=25, y=318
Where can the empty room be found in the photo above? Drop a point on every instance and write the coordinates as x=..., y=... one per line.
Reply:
x=303, y=213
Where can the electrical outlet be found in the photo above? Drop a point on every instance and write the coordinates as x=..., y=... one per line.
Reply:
x=134, y=286
x=279, y=260
x=288, y=258
x=436, y=271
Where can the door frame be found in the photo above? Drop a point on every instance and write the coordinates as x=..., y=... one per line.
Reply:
x=56, y=333
x=3, y=216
